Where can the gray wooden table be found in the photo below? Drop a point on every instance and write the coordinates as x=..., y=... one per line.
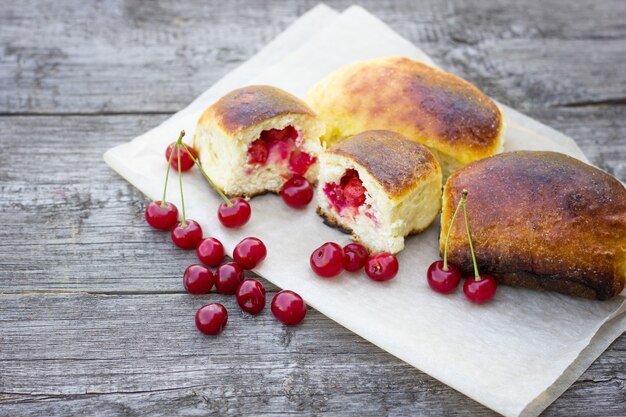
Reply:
x=93, y=317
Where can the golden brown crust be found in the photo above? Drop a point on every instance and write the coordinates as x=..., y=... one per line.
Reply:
x=425, y=104
x=248, y=106
x=396, y=162
x=541, y=220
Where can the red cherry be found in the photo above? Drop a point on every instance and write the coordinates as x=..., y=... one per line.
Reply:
x=348, y=175
x=249, y=252
x=227, y=278
x=251, y=296
x=258, y=152
x=211, y=318
x=186, y=163
x=293, y=133
x=334, y=193
x=442, y=280
x=162, y=218
x=288, y=307
x=236, y=215
x=327, y=260
x=382, y=266
x=480, y=291
x=354, y=192
x=210, y=251
x=198, y=279
x=297, y=192
x=355, y=256
x=299, y=162
x=187, y=237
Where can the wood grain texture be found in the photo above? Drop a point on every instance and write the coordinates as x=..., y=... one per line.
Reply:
x=526, y=54
x=140, y=354
x=93, y=319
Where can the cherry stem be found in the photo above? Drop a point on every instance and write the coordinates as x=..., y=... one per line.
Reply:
x=215, y=187
x=180, y=178
x=167, y=173
x=469, y=236
x=445, y=250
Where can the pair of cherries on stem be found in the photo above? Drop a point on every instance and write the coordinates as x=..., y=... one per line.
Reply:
x=163, y=215
x=444, y=277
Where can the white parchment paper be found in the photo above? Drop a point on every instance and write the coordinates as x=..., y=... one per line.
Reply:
x=515, y=355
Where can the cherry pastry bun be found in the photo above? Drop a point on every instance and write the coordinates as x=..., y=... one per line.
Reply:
x=380, y=187
x=253, y=139
x=540, y=220
x=454, y=119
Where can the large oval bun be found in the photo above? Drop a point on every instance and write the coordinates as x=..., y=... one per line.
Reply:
x=541, y=220
x=437, y=109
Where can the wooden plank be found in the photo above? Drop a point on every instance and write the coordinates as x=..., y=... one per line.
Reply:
x=83, y=226
x=141, y=355
x=75, y=209
x=600, y=131
x=120, y=57
x=544, y=72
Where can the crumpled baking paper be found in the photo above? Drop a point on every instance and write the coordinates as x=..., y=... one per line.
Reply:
x=515, y=354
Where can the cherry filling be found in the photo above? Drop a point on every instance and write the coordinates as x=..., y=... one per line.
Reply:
x=299, y=162
x=257, y=152
x=347, y=195
x=278, y=146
